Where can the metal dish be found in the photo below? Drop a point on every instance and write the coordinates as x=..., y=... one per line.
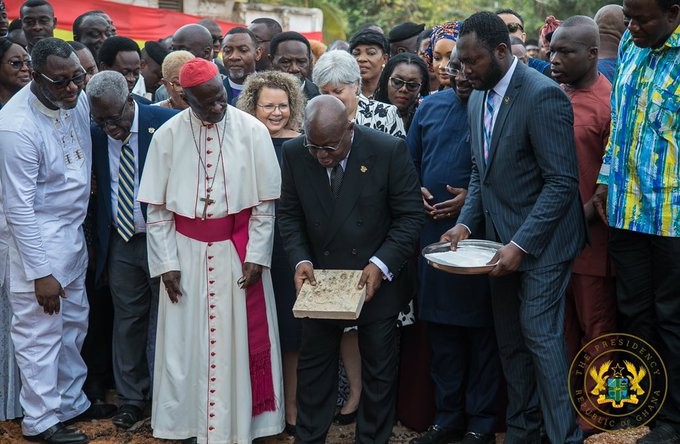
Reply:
x=482, y=246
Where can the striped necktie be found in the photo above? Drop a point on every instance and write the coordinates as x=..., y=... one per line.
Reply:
x=488, y=123
x=126, y=192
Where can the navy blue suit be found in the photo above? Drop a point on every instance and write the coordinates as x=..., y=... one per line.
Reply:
x=133, y=291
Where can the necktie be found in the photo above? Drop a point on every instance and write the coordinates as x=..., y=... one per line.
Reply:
x=336, y=179
x=488, y=123
x=126, y=187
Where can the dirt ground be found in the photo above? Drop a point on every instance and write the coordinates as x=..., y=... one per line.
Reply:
x=104, y=432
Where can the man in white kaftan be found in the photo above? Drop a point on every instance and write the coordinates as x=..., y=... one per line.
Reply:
x=45, y=161
x=208, y=168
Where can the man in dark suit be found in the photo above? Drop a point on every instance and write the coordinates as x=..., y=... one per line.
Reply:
x=123, y=55
x=121, y=135
x=291, y=53
x=524, y=187
x=350, y=200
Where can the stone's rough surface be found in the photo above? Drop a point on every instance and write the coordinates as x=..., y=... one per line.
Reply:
x=335, y=296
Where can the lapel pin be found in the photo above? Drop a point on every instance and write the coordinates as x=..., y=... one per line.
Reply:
x=151, y=130
x=363, y=168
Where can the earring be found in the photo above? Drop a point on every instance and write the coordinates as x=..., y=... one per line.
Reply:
x=383, y=65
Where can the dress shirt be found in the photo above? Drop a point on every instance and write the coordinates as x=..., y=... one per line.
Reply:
x=641, y=163
x=115, y=148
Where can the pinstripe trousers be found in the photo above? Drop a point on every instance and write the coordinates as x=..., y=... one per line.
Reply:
x=528, y=310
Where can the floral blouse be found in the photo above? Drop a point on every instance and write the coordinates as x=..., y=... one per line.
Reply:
x=380, y=116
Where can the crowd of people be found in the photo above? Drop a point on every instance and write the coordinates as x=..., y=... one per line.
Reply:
x=161, y=207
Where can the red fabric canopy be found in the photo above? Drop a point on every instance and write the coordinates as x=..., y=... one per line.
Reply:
x=137, y=22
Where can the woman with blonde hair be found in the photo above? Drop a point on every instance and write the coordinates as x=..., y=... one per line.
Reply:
x=276, y=100
x=170, y=68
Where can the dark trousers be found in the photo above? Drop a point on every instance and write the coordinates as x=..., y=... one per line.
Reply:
x=466, y=375
x=96, y=350
x=648, y=293
x=528, y=309
x=132, y=292
x=317, y=388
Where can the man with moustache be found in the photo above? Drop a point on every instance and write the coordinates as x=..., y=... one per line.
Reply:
x=45, y=153
x=122, y=54
x=121, y=134
x=91, y=29
x=210, y=181
x=37, y=21
x=240, y=53
x=639, y=195
x=291, y=53
x=524, y=191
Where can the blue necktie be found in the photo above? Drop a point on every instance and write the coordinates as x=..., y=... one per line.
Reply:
x=488, y=123
x=126, y=193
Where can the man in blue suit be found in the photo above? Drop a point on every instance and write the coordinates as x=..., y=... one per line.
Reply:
x=524, y=188
x=121, y=133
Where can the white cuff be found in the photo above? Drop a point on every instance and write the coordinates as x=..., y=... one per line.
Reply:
x=380, y=264
x=515, y=244
x=308, y=261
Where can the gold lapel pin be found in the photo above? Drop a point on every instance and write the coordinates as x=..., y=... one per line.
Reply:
x=363, y=168
x=151, y=130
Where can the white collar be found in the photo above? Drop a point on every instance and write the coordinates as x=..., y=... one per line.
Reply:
x=502, y=86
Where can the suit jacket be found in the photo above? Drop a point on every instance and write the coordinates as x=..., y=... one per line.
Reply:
x=310, y=90
x=378, y=212
x=527, y=190
x=150, y=118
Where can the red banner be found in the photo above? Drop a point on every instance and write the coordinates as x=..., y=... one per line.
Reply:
x=137, y=22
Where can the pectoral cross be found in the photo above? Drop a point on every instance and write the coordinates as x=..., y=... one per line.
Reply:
x=206, y=201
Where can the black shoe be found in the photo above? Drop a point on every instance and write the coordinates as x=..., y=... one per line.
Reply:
x=438, y=435
x=59, y=434
x=127, y=416
x=661, y=434
x=345, y=418
x=290, y=429
x=99, y=410
x=479, y=438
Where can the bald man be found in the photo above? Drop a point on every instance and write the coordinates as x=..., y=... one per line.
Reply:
x=590, y=309
x=610, y=22
x=350, y=199
x=194, y=38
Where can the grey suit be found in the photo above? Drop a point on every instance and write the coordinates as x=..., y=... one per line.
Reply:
x=527, y=192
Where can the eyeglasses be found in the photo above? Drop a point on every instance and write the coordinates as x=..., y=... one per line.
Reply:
x=110, y=121
x=398, y=83
x=454, y=72
x=18, y=64
x=314, y=148
x=282, y=107
x=514, y=27
x=61, y=84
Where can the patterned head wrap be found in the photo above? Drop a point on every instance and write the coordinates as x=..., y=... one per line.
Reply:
x=448, y=30
x=550, y=26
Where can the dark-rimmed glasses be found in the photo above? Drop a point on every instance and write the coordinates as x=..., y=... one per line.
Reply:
x=315, y=148
x=398, y=83
x=110, y=121
x=18, y=64
x=514, y=27
x=61, y=84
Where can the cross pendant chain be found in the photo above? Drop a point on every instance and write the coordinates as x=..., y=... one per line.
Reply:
x=206, y=201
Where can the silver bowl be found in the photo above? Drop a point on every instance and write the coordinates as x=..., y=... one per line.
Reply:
x=476, y=244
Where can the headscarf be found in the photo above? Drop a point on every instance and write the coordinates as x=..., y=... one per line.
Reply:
x=448, y=30
x=550, y=26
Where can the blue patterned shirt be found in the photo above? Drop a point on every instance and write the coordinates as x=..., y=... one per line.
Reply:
x=641, y=162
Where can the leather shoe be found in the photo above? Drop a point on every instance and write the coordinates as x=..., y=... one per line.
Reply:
x=59, y=434
x=438, y=435
x=479, y=438
x=661, y=434
x=290, y=429
x=345, y=418
x=127, y=416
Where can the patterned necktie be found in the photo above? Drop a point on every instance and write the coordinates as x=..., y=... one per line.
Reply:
x=488, y=123
x=126, y=187
x=336, y=179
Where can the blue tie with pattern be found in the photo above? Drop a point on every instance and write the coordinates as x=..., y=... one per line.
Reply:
x=488, y=123
x=126, y=192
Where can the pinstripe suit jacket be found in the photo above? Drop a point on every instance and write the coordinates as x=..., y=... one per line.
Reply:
x=527, y=190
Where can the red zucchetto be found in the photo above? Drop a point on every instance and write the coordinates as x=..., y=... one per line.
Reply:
x=196, y=72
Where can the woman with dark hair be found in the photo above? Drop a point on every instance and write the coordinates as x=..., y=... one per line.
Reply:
x=403, y=81
x=371, y=51
x=15, y=69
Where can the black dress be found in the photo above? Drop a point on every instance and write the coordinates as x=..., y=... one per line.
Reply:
x=282, y=273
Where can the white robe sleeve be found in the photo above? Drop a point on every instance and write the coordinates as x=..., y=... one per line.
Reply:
x=161, y=242
x=19, y=167
x=261, y=234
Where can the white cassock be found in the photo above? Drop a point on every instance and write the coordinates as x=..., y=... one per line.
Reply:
x=202, y=383
x=45, y=164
